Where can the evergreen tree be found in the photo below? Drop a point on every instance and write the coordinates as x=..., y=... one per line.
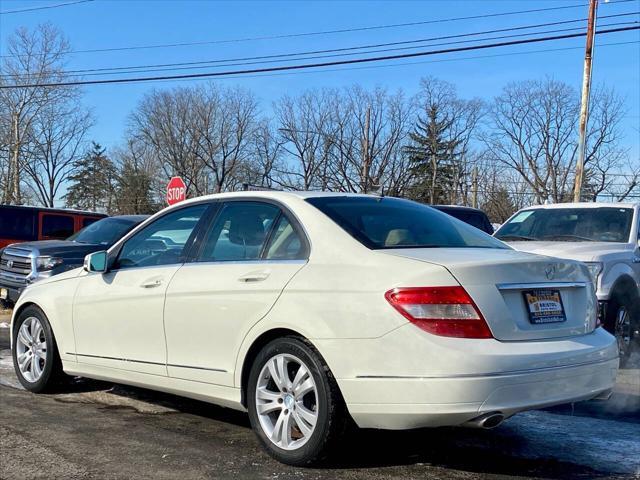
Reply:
x=433, y=158
x=92, y=183
x=134, y=190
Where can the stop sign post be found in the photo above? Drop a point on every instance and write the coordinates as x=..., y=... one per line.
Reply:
x=176, y=190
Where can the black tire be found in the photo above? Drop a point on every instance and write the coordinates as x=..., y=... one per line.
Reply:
x=52, y=374
x=332, y=418
x=626, y=335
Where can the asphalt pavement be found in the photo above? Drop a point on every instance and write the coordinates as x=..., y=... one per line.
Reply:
x=99, y=430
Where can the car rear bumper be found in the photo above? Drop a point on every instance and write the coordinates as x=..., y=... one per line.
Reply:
x=403, y=403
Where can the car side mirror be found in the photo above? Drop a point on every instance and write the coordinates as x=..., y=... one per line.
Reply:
x=96, y=262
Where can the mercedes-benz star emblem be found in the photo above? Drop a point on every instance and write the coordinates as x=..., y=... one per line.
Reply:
x=10, y=264
x=550, y=271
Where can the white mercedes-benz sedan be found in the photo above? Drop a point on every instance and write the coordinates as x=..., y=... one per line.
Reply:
x=311, y=309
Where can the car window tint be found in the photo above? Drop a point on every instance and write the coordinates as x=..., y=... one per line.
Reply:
x=162, y=242
x=239, y=232
x=599, y=224
x=286, y=243
x=57, y=226
x=380, y=223
x=17, y=224
x=86, y=221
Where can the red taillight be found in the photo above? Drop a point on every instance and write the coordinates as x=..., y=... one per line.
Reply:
x=444, y=311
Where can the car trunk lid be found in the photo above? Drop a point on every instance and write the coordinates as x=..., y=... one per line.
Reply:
x=497, y=280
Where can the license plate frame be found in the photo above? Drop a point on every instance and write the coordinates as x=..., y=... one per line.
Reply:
x=540, y=306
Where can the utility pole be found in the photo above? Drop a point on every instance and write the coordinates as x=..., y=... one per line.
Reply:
x=365, y=153
x=584, y=108
x=474, y=187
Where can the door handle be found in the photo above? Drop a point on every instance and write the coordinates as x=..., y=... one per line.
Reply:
x=254, y=277
x=152, y=283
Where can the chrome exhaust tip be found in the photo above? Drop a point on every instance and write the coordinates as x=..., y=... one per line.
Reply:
x=486, y=421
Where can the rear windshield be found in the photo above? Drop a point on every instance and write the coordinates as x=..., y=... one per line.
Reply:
x=104, y=232
x=606, y=224
x=18, y=224
x=383, y=223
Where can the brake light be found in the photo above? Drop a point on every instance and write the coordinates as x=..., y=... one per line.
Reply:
x=444, y=311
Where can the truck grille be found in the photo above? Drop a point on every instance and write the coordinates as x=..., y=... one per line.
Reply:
x=14, y=267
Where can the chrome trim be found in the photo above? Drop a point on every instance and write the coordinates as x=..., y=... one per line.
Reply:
x=483, y=375
x=144, y=361
x=197, y=368
x=525, y=286
x=256, y=261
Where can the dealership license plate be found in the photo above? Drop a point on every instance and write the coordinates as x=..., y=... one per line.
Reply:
x=544, y=306
x=4, y=294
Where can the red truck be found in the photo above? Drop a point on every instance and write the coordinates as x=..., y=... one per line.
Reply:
x=22, y=224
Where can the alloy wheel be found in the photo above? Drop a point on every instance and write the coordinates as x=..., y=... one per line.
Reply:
x=31, y=349
x=287, y=401
x=623, y=330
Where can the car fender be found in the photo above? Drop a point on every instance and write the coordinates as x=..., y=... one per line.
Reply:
x=612, y=276
x=55, y=299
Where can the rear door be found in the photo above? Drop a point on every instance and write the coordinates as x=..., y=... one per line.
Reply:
x=249, y=253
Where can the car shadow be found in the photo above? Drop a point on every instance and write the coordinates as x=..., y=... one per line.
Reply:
x=501, y=451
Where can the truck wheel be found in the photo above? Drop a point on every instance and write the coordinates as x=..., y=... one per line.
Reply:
x=622, y=322
x=35, y=353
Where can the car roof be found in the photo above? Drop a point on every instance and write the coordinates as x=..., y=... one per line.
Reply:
x=585, y=205
x=276, y=195
x=457, y=207
x=54, y=209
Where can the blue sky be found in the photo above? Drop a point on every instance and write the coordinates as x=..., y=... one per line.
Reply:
x=121, y=23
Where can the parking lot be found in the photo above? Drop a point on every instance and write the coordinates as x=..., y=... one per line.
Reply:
x=98, y=430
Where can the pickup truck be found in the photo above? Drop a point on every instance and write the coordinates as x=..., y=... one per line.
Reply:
x=606, y=237
x=22, y=264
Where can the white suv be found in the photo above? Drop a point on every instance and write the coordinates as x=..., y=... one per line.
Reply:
x=605, y=236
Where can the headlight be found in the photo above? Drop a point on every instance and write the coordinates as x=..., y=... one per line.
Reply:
x=595, y=269
x=47, y=263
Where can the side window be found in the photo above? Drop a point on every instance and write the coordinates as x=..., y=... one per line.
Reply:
x=18, y=224
x=163, y=242
x=57, y=226
x=285, y=243
x=239, y=232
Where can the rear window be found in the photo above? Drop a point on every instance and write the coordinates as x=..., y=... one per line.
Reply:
x=57, y=226
x=18, y=224
x=383, y=223
x=475, y=219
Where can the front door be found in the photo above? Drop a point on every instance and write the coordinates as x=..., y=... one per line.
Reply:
x=247, y=257
x=118, y=315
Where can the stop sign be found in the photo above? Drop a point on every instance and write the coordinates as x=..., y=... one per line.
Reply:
x=176, y=190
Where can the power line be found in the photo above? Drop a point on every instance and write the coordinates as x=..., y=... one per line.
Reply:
x=312, y=54
x=44, y=7
x=328, y=32
x=400, y=64
x=316, y=65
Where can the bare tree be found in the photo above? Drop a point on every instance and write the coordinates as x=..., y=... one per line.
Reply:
x=31, y=57
x=56, y=140
x=224, y=122
x=302, y=125
x=533, y=131
x=164, y=121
